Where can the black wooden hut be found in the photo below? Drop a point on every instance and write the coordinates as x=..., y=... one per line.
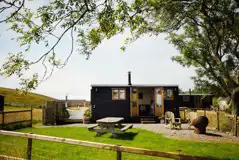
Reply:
x=133, y=101
x=195, y=100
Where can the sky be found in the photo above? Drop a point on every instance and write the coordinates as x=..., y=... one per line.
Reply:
x=148, y=59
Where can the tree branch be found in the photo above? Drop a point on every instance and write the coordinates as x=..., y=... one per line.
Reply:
x=14, y=13
x=59, y=39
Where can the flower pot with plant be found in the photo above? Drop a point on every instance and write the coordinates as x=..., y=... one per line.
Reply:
x=134, y=103
x=87, y=116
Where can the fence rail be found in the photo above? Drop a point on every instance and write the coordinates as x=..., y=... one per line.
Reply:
x=4, y=157
x=3, y=115
x=118, y=148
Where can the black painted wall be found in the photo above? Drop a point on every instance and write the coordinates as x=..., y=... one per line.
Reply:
x=103, y=105
x=205, y=103
x=1, y=103
x=189, y=104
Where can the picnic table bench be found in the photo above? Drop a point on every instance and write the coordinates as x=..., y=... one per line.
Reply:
x=109, y=125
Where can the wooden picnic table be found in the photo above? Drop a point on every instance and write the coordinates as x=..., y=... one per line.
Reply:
x=110, y=121
x=109, y=125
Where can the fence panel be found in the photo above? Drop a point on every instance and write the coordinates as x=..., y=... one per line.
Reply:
x=10, y=117
x=226, y=123
x=192, y=115
x=37, y=115
x=15, y=117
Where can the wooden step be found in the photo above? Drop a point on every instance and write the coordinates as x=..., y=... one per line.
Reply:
x=148, y=118
x=147, y=122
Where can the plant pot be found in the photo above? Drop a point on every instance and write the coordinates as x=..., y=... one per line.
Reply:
x=200, y=124
x=86, y=120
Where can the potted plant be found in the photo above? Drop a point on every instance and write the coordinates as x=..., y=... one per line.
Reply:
x=134, y=103
x=87, y=116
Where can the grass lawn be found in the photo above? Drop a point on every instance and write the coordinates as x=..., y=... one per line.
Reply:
x=135, y=137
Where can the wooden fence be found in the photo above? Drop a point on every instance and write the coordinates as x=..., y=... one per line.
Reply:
x=54, y=113
x=118, y=148
x=216, y=118
x=24, y=105
x=13, y=117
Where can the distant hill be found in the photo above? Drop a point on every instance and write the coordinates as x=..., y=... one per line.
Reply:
x=12, y=97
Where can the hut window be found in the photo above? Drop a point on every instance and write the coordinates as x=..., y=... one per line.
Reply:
x=121, y=94
x=186, y=98
x=168, y=94
x=118, y=94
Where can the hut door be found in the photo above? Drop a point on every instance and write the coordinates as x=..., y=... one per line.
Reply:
x=134, y=102
x=158, y=102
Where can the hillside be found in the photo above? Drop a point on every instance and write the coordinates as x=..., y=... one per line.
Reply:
x=13, y=97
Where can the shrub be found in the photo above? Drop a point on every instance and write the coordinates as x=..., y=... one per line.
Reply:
x=87, y=113
x=20, y=125
x=134, y=103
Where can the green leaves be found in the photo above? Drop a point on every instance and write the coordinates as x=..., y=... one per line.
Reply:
x=204, y=32
x=15, y=65
x=29, y=83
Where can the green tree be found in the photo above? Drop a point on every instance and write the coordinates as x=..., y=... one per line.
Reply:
x=206, y=33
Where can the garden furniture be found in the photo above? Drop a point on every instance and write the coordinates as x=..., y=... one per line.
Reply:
x=109, y=125
x=170, y=119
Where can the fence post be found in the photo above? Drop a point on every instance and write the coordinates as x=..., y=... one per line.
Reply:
x=31, y=117
x=43, y=115
x=218, y=120
x=2, y=120
x=185, y=115
x=29, y=149
x=235, y=125
x=56, y=113
x=118, y=153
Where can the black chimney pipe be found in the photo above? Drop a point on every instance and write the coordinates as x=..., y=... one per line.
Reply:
x=190, y=92
x=129, y=78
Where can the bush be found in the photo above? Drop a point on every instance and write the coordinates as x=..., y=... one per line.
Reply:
x=134, y=103
x=20, y=125
x=87, y=113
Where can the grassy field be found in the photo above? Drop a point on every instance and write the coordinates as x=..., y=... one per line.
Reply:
x=13, y=108
x=12, y=96
x=136, y=138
